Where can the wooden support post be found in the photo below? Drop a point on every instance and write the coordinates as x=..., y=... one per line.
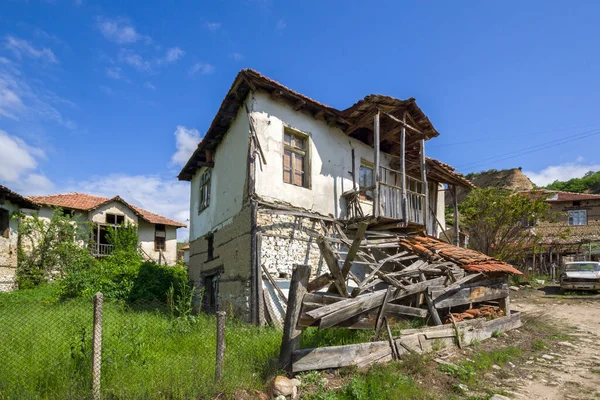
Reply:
x=97, y=346
x=360, y=233
x=291, y=334
x=332, y=263
x=354, y=186
x=220, y=346
x=456, y=219
x=425, y=187
x=432, y=310
x=404, y=204
x=255, y=274
x=376, y=194
x=504, y=305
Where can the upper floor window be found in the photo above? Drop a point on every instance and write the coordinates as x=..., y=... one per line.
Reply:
x=114, y=219
x=578, y=217
x=4, y=223
x=160, y=237
x=204, y=194
x=295, y=158
x=365, y=179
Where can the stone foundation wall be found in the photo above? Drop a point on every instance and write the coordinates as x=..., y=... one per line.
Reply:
x=285, y=242
x=231, y=251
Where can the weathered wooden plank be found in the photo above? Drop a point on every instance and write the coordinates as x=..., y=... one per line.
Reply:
x=405, y=311
x=381, y=313
x=470, y=295
x=274, y=283
x=332, y=263
x=335, y=356
x=432, y=310
x=360, y=305
x=321, y=312
x=319, y=282
x=360, y=233
x=321, y=298
x=291, y=334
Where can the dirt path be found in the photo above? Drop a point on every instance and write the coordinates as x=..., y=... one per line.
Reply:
x=565, y=372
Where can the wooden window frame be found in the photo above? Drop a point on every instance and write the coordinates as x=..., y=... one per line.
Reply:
x=5, y=219
x=160, y=238
x=116, y=219
x=571, y=218
x=204, y=191
x=368, y=195
x=305, y=153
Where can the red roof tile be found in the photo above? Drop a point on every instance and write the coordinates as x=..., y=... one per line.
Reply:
x=470, y=260
x=556, y=196
x=87, y=202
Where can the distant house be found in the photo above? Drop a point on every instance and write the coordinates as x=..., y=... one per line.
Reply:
x=157, y=235
x=574, y=232
x=11, y=203
x=277, y=169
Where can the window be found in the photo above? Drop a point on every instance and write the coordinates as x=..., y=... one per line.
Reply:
x=210, y=239
x=204, y=198
x=295, y=162
x=365, y=179
x=114, y=219
x=160, y=237
x=578, y=217
x=4, y=223
x=67, y=212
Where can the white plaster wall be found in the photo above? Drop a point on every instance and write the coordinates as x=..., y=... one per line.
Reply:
x=227, y=181
x=146, y=241
x=441, y=209
x=330, y=154
x=114, y=207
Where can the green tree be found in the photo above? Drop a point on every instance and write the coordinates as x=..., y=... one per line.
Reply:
x=590, y=182
x=49, y=245
x=499, y=222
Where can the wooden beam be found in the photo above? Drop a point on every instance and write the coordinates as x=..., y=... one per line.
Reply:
x=471, y=295
x=290, y=341
x=205, y=164
x=404, y=200
x=332, y=263
x=456, y=219
x=276, y=94
x=299, y=104
x=360, y=233
x=381, y=314
x=432, y=310
x=403, y=123
x=425, y=187
x=319, y=282
x=208, y=154
x=376, y=144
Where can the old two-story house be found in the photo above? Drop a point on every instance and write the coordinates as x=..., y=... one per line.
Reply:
x=11, y=204
x=573, y=233
x=157, y=235
x=276, y=169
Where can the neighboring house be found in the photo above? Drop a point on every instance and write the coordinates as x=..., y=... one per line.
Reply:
x=276, y=169
x=157, y=235
x=186, y=254
x=574, y=231
x=11, y=203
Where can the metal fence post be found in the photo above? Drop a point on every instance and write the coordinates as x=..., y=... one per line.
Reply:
x=220, y=345
x=97, y=345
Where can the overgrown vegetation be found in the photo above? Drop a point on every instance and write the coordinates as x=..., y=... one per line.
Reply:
x=589, y=183
x=499, y=221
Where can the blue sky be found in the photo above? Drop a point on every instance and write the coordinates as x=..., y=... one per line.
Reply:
x=110, y=98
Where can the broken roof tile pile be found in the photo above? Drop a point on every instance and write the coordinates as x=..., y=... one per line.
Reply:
x=469, y=260
x=87, y=202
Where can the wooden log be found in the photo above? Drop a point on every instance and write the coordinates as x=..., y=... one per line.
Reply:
x=381, y=313
x=97, y=346
x=456, y=219
x=291, y=334
x=220, y=356
x=360, y=233
x=319, y=282
x=404, y=203
x=336, y=356
x=471, y=295
x=432, y=310
x=393, y=347
x=332, y=263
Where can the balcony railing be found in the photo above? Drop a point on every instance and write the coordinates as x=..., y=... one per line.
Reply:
x=101, y=250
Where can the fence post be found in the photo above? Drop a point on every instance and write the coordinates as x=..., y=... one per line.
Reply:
x=97, y=345
x=220, y=345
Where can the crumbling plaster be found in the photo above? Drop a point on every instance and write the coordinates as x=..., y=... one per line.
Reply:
x=8, y=250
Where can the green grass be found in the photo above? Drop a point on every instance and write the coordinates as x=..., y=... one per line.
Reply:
x=469, y=371
x=46, y=351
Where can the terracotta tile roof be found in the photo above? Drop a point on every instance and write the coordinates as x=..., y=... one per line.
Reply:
x=87, y=202
x=17, y=199
x=556, y=196
x=446, y=173
x=469, y=260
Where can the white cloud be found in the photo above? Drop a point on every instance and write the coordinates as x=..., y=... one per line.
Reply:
x=212, y=26
x=236, y=56
x=167, y=197
x=120, y=31
x=114, y=72
x=148, y=85
x=560, y=172
x=133, y=59
x=186, y=141
x=281, y=24
x=19, y=164
x=23, y=48
x=202, y=68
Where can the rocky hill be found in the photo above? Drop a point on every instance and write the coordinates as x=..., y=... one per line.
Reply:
x=507, y=178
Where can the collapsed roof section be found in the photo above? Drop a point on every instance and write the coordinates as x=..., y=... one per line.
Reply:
x=356, y=121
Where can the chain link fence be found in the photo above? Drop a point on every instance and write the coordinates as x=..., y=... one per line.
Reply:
x=147, y=352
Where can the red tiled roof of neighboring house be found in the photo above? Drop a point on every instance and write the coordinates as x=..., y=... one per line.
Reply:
x=470, y=260
x=557, y=196
x=16, y=198
x=87, y=202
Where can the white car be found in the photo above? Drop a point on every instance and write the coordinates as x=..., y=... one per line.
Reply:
x=580, y=275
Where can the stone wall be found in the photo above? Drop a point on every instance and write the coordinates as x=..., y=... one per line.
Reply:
x=231, y=258
x=285, y=242
x=8, y=251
